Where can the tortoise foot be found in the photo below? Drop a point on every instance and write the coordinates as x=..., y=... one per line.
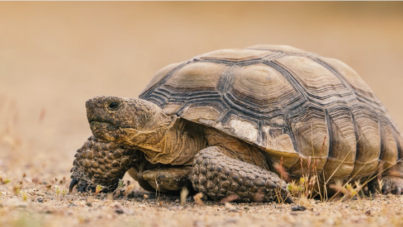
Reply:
x=222, y=177
x=80, y=181
x=392, y=184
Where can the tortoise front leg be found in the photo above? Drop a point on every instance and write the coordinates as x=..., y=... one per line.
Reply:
x=100, y=163
x=220, y=176
x=105, y=163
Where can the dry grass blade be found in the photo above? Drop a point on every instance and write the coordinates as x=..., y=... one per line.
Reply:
x=281, y=170
x=98, y=189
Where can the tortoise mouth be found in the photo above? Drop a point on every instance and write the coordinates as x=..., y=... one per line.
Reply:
x=97, y=124
x=99, y=121
x=104, y=130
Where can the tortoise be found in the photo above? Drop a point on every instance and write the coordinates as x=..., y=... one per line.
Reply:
x=220, y=123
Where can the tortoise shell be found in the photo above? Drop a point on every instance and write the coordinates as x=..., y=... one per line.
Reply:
x=294, y=105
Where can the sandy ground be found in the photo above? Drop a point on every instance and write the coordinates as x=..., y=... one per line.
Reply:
x=55, y=56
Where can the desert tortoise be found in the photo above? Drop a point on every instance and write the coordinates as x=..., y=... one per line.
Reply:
x=220, y=121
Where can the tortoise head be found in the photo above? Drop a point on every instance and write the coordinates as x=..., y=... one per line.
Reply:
x=120, y=120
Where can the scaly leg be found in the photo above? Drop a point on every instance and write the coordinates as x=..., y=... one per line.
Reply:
x=104, y=163
x=220, y=176
x=100, y=163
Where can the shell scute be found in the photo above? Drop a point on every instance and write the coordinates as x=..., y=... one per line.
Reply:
x=236, y=54
x=262, y=86
x=321, y=85
x=312, y=138
x=199, y=76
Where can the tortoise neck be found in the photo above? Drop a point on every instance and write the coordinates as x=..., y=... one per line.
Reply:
x=174, y=142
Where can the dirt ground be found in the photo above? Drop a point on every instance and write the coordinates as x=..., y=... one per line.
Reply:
x=56, y=55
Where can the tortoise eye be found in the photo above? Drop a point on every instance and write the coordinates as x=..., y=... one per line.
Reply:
x=113, y=105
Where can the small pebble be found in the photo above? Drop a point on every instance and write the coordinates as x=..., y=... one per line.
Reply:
x=231, y=221
x=231, y=208
x=176, y=208
x=198, y=224
x=118, y=208
x=298, y=208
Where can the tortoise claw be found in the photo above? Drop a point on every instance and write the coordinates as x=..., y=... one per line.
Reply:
x=81, y=185
x=73, y=183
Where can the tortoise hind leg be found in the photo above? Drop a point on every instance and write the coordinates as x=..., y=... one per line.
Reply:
x=392, y=184
x=220, y=176
x=392, y=181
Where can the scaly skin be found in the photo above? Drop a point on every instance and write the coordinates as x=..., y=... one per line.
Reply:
x=220, y=176
x=100, y=163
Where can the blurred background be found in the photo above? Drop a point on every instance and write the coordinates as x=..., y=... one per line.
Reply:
x=56, y=55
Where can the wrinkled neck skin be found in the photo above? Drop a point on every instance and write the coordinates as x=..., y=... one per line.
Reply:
x=174, y=141
x=170, y=143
